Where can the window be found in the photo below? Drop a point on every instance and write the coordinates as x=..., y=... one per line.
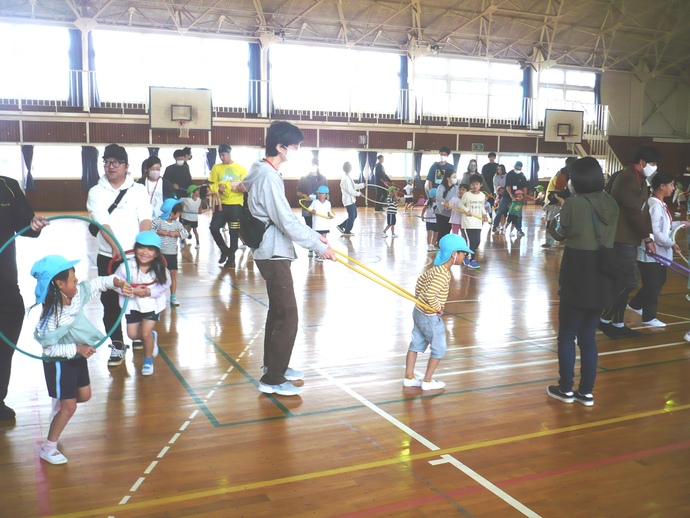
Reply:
x=56, y=162
x=567, y=90
x=125, y=73
x=32, y=67
x=11, y=162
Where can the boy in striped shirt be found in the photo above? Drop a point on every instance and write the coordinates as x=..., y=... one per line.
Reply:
x=432, y=290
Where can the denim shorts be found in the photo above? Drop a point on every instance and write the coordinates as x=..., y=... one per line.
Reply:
x=428, y=330
x=137, y=316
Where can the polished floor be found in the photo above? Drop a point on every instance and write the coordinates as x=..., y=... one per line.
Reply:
x=198, y=439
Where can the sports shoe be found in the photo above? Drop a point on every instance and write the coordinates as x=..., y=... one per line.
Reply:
x=223, y=257
x=394, y=235
x=430, y=248
x=466, y=260
x=197, y=246
x=687, y=297
x=230, y=263
x=147, y=369
x=348, y=234
x=686, y=336
x=414, y=382
x=290, y=373
x=53, y=457
x=284, y=389
x=6, y=413
x=319, y=259
x=155, y=343
x=655, y=322
x=432, y=385
x=585, y=399
x=137, y=345
x=520, y=233
x=473, y=264
x=174, y=301
x=341, y=229
x=311, y=253
x=117, y=355
x=555, y=392
x=638, y=311
x=546, y=246
x=383, y=234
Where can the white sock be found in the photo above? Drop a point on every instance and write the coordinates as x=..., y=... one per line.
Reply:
x=49, y=446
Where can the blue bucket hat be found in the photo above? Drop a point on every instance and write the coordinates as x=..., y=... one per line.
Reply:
x=432, y=193
x=167, y=207
x=447, y=245
x=148, y=238
x=322, y=190
x=44, y=270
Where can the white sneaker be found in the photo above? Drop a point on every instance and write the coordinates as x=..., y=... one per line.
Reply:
x=319, y=259
x=686, y=336
x=383, y=234
x=53, y=457
x=432, y=385
x=415, y=382
x=147, y=369
x=638, y=311
x=394, y=235
x=655, y=322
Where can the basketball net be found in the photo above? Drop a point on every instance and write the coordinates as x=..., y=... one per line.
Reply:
x=184, y=131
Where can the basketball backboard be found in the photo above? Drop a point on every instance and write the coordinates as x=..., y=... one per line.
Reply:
x=563, y=126
x=169, y=107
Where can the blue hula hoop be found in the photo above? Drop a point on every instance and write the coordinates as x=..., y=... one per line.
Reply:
x=124, y=306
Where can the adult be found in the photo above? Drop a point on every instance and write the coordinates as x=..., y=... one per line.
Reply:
x=267, y=202
x=307, y=186
x=384, y=182
x=157, y=188
x=438, y=170
x=187, y=155
x=558, y=183
x=447, y=190
x=226, y=180
x=178, y=173
x=15, y=214
x=585, y=287
x=630, y=190
x=471, y=171
x=129, y=216
x=349, y=190
x=515, y=181
x=653, y=274
x=489, y=171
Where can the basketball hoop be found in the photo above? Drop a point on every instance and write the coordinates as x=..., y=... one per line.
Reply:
x=184, y=131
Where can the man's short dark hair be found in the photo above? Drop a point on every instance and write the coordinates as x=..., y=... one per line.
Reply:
x=648, y=154
x=282, y=133
x=661, y=178
x=178, y=153
x=570, y=160
x=379, y=157
x=187, y=150
x=586, y=175
x=491, y=155
x=444, y=149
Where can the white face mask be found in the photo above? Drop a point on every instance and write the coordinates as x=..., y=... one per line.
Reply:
x=473, y=167
x=453, y=181
x=154, y=174
x=290, y=154
x=179, y=162
x=649, y=170
x=442, y=158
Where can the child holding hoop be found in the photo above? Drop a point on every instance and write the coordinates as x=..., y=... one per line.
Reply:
x=150, y=282
x=65, y=332
x=169, y=228
x=321, y=212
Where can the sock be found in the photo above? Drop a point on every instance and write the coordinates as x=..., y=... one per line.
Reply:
x=49, y=446
x=618, y=324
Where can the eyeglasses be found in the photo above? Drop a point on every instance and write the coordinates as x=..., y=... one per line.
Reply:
x=114, y=163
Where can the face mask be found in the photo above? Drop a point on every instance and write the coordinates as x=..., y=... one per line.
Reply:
x=453, y=181
x=154, y=174
x=473, y=167
x=290, y=154
x=179, y=162
x=518, y=170
x=649, y=170
x=442, y=159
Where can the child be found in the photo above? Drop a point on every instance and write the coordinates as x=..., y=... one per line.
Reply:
x=455, y=214
x=429, y=216
x=170, y=229
x=409, y=196
x=65, y=332
x=391, y=211
x=515, y=214
x=150, y=281
x=192, y=209
x=474, y=215
x=498, y=224
x=432, y=289
x=321, y=206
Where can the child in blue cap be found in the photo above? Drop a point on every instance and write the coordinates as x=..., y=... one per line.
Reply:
x=432, y=290
x=170, y=229
x=64, y=331
x=321, y=211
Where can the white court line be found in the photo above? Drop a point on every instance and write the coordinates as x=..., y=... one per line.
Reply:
x=423, y=440
x=150, y=468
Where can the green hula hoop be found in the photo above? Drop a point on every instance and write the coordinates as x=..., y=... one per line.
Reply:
x=124, y=306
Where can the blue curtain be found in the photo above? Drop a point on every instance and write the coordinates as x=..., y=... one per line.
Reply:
x=93, y=85
x=371, y=158
x=526, y=94
x=28, y=154
x=89, y=167
x=534, y=172
x=418, y=183
x=315, y=153
x=211, y=157
x=597, y=88
x=362, y=155
x=75, y=97
x=403, y=110
x=153, y=151
x=456, y=161
x=254, y=105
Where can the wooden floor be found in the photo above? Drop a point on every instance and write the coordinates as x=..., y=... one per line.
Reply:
x=198, y=439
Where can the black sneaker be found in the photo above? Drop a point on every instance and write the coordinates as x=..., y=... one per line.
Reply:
x=6, y=413
x=585, y=399
x=555, y=392
x=341, y=229
x=223, y=257
x=117, y=354
x=229, y=264
x=608, y=329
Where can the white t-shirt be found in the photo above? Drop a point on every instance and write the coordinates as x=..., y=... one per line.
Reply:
x=319, y=223
x=191, y=209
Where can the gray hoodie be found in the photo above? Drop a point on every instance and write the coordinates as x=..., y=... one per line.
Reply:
x=267, y=202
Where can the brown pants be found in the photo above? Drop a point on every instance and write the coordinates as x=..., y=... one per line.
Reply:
x=281, y=321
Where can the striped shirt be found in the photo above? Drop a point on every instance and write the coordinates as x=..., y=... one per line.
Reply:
x=432, y=288
x=392, y=205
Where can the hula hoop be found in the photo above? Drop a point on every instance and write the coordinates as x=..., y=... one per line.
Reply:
x=671, y=265
x=124, y=306
x=673, y=238
x=377, y=187
x=315, y=213
x=462, y=211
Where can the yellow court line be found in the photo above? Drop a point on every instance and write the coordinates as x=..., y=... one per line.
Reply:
x=369, y=465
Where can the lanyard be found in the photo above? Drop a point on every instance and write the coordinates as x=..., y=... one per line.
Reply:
x=668, y=212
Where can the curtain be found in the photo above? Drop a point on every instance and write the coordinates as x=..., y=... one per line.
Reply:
x=153, y=151
x=211, y=157
x=534, y=172
x=362, y=155
x=254, y=104
x=597, y=88
x=456, y=162
x=93, y=85
x=315, y=153
x=371, y=158
x=28, y=154
x=403, y=110
x=75, y=97
x=89, y=167
x=418, y=183
x=526, y=94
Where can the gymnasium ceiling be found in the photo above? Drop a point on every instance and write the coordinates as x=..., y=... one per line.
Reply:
x=649, y=37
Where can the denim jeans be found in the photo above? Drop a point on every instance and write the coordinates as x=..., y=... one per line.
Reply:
x=501, y=211
x=351, y=217
x=574, y=322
